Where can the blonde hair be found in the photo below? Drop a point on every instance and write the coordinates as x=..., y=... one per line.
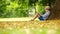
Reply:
x=48, y=7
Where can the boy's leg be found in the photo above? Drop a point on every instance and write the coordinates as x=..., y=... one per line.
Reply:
x=37, y=15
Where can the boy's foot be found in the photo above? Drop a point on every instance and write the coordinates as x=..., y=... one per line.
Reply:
x=31, y=20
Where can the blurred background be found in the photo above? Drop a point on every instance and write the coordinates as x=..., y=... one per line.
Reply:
x=15, y=16
x=23, y=8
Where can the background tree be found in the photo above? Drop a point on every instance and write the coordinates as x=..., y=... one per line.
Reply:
x=56, y=10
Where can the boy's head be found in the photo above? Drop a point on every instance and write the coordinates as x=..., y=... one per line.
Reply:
x=47, y=7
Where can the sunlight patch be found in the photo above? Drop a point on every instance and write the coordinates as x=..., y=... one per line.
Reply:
x=51, y=31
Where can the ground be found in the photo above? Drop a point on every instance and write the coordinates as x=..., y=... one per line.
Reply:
x=29, y=27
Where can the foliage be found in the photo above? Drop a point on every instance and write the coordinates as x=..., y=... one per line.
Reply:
x=19, y=8
x=13, y=8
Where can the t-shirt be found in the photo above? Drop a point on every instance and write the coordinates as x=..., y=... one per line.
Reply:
x=46, y=15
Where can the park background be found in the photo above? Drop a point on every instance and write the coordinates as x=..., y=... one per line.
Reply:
x=15, y=16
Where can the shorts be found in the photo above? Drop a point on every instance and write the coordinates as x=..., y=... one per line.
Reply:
x=40, y=18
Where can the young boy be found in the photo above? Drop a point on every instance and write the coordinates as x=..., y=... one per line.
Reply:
x=44, y=16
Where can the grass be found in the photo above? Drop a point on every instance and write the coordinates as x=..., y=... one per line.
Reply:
x=16, y=19
x=9, y=26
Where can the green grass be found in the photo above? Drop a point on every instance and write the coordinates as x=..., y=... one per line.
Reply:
x=29, y=31
x=17, y=19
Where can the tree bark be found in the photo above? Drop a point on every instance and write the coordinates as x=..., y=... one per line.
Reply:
x=55, y=12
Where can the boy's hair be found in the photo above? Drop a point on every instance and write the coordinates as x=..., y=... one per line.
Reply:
x=48, y=7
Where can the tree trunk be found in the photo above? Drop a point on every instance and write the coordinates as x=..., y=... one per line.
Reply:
x=55, y=13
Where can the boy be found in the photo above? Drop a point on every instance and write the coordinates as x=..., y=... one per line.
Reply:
x=44, y=16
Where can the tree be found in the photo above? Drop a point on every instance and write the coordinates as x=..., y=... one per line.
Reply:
x=56, y=10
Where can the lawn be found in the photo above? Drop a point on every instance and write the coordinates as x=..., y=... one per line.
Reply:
x=29, y=27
